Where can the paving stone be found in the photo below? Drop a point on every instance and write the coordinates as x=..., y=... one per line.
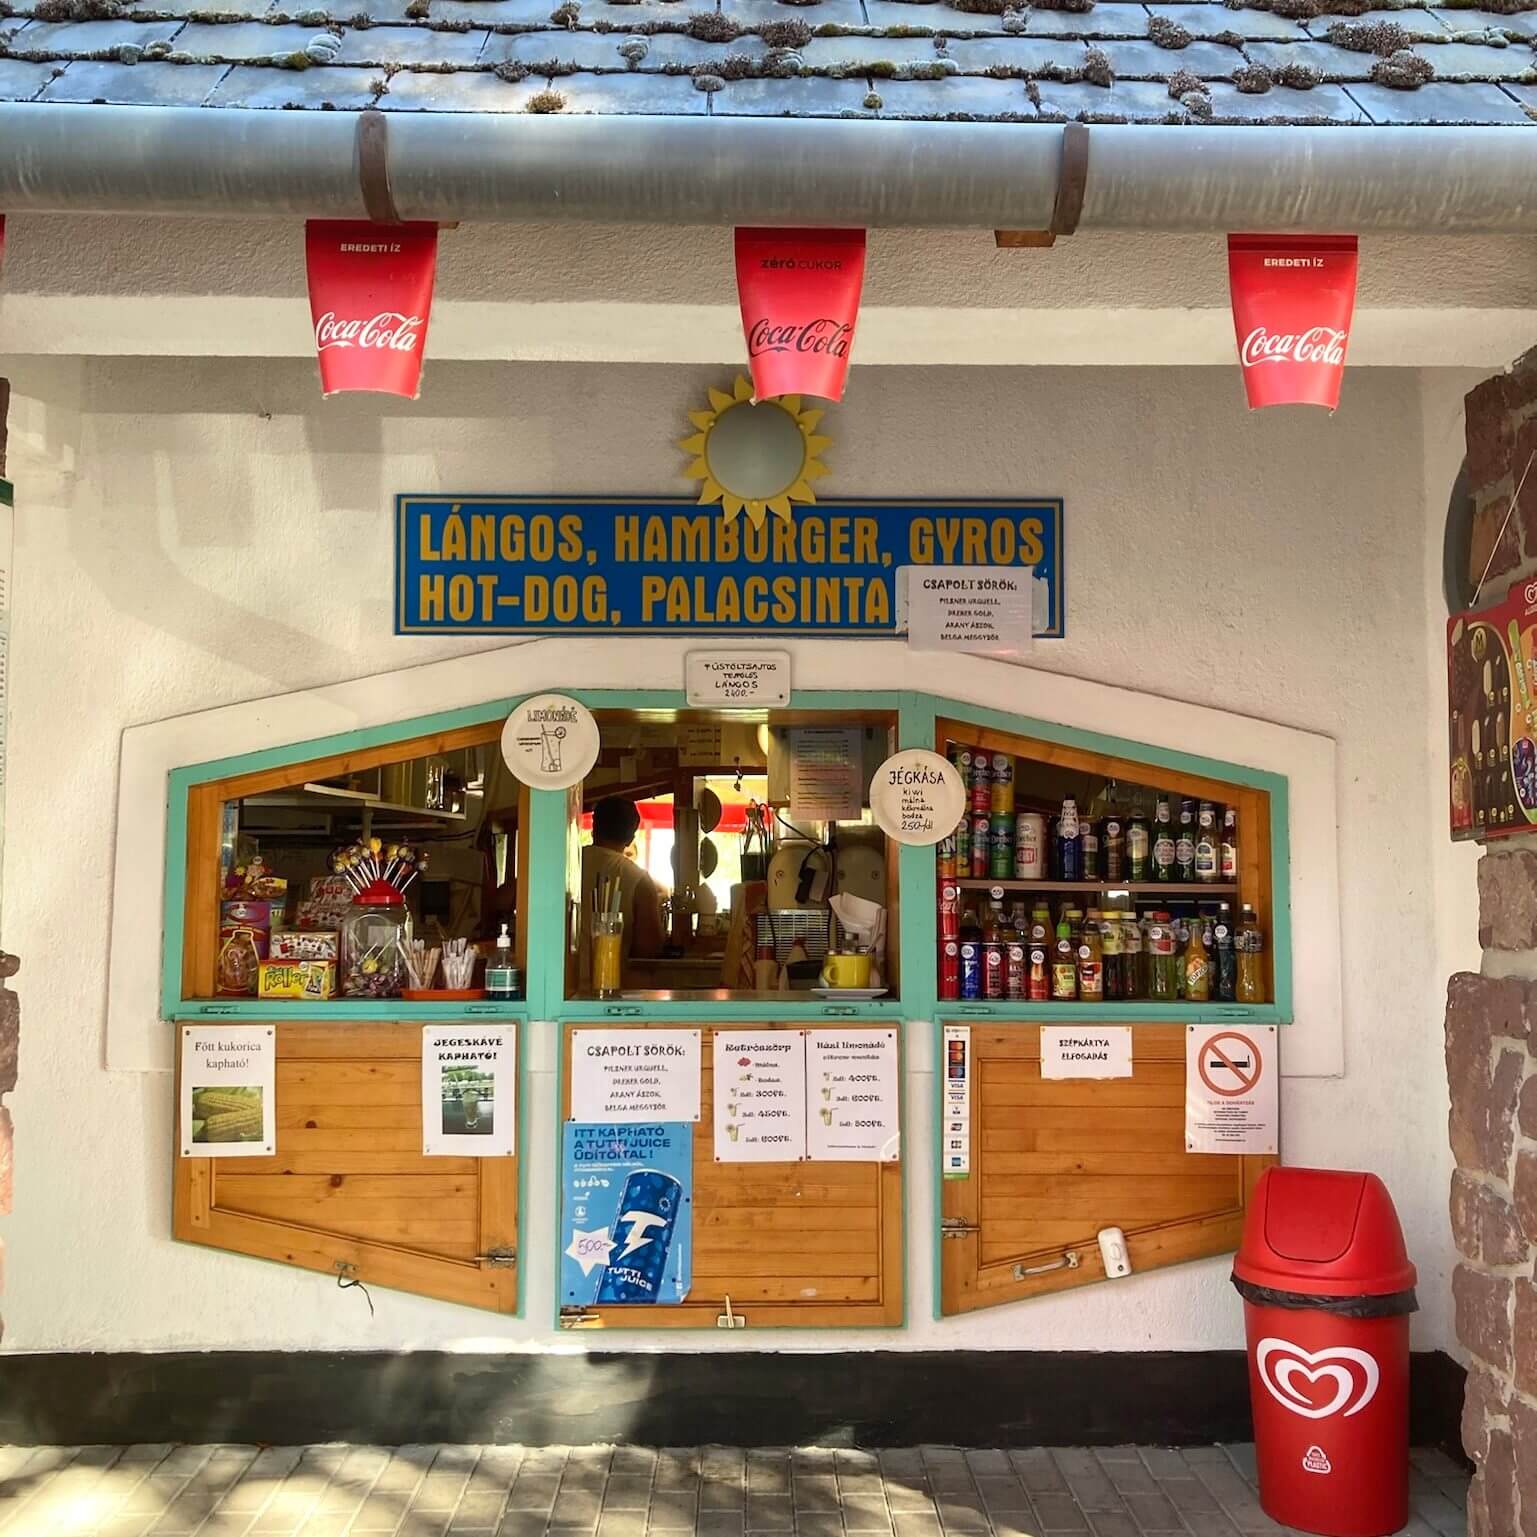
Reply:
x=520, y=1523
x=225, y=1525
x=400, y=1472
x=909, y=1495
x=947, y=1477
x=1210, y=1523
x=1188, y=1494
x=439, y=1491
x=767, y=1475
x=185, y=1513
x=854, y=1459
x=718, y=1462
x=478, y=1513
x=622, y=1523
x=1438, y=103
x=909, y=1461
x=380, y=1512
x=863, y=1514
x=718, y=1523
x=1059, y=1513
x=1008, y=1493
x=1154, y=1512
x=769, y=1513
x=632, y=1461
x=715, y=1495
x=1128, y=1473
x=1036, y=1469
x=1113, y=1523
x=820, y=1523
x=816, y=1492
x=576, y=1506
x=672, y=1512
x=916, y=1526
x=861, y=1481
x=147, y=1451
x=627, y=1492
x=959, y=1511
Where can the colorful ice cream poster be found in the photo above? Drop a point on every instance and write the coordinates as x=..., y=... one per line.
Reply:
x=626, y=1213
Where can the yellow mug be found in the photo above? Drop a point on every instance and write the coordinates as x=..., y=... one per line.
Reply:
x=846, y=969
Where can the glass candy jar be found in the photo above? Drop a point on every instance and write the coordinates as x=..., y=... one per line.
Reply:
x=374, y=936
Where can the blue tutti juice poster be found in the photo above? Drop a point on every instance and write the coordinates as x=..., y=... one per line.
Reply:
x=626, y=1213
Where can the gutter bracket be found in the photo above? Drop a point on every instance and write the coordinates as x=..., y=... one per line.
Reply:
x=373, y=141
x=1067, y=209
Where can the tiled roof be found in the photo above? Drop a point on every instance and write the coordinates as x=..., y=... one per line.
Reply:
x=1287, y=61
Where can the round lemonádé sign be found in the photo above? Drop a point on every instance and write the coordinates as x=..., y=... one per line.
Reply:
x=550, y=742
x=917, y=797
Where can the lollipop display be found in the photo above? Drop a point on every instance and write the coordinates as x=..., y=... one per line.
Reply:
x=376, y=935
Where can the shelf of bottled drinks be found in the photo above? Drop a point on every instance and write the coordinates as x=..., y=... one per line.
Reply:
x=1067, y=882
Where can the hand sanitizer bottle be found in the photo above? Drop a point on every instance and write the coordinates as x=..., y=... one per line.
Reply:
x=501, y=974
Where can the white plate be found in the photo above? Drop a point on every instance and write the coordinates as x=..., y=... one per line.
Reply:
x=851, y=994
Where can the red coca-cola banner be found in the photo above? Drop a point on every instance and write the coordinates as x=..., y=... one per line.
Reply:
x=1293, y=298
x=799, y=290
x=370, y=298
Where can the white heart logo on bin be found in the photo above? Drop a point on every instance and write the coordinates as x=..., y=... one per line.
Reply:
x=1353, y=1372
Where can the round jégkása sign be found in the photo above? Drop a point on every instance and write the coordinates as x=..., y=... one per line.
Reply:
x=550, y=742
x=917, y=797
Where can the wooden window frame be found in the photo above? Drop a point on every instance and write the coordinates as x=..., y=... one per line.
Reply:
x=968, y=1282
x=699, y=1312
x=204, y=821
x=199, y=1218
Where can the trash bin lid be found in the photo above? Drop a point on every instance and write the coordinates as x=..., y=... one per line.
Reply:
x=1323, y=1233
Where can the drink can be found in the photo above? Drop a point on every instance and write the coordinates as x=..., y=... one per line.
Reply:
x=949, y=968
x=981, y=843
x=1088, y=850
x=1029, y=846
x=637, y=1277
x=1000, y=845
x=981, y=783
x=944, y=856
x=971, y=969
x=992, y=969
x=1003, y=783
x=949, y=909
x=1016, y=967
x=963, y=845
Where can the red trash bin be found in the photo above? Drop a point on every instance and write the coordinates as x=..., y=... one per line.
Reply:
x=1328, y=1290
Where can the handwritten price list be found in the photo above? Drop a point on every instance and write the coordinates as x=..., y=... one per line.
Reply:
x=853, y=1104
x=760, y=1096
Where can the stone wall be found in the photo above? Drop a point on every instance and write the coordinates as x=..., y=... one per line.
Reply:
x=1491, y=1036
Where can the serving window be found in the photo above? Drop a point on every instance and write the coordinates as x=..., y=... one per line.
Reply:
x=380, y=873
x=732, y=856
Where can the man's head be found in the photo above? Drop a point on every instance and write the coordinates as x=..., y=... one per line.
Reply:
x=614, y=822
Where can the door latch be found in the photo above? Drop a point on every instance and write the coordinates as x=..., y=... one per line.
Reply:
x=730, y=1320
x=957, y=1227
x=1069, y=1261
x=502, y=1258
x=578, y=1317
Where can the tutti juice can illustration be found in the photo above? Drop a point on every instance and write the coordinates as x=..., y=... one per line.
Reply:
x=642, y=1235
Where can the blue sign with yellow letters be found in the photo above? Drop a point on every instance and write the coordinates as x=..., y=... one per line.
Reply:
x=503, y=565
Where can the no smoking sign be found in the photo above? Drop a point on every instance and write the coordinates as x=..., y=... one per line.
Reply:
x=1231, y=1090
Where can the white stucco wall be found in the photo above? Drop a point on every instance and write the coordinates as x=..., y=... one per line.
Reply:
x=195, y=532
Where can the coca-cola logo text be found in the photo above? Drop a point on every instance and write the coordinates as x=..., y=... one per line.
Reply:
x=388, y=331
x=1321, y=344
x=816, y=336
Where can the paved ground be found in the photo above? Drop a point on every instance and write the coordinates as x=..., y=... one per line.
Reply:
x=471, y=1491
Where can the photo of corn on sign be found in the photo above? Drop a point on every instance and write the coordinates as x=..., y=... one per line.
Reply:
x=228, y=1091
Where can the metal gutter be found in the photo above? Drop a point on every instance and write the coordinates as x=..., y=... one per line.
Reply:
x=773, y=171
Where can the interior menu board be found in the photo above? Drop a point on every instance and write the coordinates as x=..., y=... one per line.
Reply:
x=760, y=1096
x=1492, y=695
x=852, y=1084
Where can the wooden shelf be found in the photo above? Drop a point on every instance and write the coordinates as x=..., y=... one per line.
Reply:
x=1136, y=888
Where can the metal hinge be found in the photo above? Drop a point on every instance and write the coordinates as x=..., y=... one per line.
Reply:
x=578, y=1317
x=957, y=1227
x=502, y=1258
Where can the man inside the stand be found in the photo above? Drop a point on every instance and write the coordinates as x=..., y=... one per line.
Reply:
x=614, y=824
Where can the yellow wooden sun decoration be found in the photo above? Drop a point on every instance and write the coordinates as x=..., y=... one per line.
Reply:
x=758, y=500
